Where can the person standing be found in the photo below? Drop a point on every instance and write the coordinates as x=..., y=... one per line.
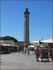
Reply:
x=52, y=54
x=45, y=54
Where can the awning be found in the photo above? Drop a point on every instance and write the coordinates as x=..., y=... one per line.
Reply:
x=32, y=46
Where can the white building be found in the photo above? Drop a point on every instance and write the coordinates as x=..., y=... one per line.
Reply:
x=44, y=42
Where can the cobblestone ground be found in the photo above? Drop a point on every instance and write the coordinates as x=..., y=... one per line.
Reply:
x=22, y=61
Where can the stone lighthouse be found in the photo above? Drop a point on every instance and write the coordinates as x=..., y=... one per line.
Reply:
x=26, y=27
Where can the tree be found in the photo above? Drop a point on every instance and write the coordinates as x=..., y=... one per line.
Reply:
x=9, y=38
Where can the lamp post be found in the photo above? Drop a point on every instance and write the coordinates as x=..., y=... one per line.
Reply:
x=0, y=32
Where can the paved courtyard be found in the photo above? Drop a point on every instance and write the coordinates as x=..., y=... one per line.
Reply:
x=19, y=61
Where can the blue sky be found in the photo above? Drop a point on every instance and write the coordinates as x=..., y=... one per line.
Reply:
x=40, y=19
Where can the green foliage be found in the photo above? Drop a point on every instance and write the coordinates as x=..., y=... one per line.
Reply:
x=9, y=38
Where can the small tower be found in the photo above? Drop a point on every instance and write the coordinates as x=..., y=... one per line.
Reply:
x=26, y=27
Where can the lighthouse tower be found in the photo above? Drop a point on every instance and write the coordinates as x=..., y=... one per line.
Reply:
x=26, y=27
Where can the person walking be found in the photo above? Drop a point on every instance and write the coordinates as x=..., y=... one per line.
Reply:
x=37, y=53
x=28, y=50
x=25, y=49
